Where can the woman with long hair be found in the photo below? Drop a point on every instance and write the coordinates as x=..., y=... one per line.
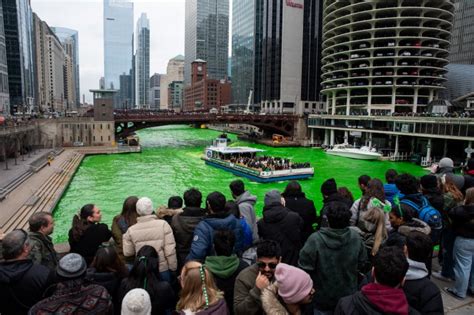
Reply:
x=87, y=233
x=123, y=221
x=146, y=275
x=199, y=294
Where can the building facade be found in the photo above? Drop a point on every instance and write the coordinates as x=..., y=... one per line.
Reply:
x=125, y=93
x=142, y=62
x=175, y=97
x=70, y=40
x=174, y=72
x=207, y=36
x=18, y=27
x=460, y=80
x=155, y=91
x=118, y=40
x=4, y=93
x=462, y=40
x=243, y=52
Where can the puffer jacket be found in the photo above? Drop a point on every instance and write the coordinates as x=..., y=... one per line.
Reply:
x=149, y=230
x=270, y=302
x=246, y=203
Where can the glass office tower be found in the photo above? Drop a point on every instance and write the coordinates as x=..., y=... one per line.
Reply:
x=118, y=40
x=207, y=36
x=142, y=62
x=4, y=94
x=462, y=40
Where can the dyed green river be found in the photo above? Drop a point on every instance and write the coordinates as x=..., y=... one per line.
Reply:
x=170, y=163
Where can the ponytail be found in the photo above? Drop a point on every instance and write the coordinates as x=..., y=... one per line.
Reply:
x=79, y=221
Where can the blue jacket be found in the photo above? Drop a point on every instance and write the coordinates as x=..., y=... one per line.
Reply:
x=203, y=240
x=391, y=191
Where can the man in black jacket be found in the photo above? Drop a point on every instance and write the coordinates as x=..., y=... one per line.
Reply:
x=422, y=294
x=282, y=226
x=22, y=283
x=430, y=189
x=330, y=196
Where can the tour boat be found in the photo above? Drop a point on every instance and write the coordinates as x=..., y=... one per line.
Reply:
x=345, y=150
x=232, y=159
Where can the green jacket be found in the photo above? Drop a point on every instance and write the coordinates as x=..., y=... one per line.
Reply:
x=247, y=299
x=42, y=250
x=333, y=258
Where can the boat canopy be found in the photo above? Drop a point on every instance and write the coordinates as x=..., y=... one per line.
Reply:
x=234, y=150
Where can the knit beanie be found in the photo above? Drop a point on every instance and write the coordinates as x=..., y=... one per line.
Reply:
x=137, y=302
x=272, y=197
x=429, y=181
x=329, y=187
x=293, y=283
x=71, y=266
x=446, y=162
x=144, y=206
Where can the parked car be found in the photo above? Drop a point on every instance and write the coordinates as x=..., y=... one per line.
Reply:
x=378, y=73
x=404, y=73
x=355, y=56
x=378, y=55
x=404, y=82
x=404, y=63
x=363, y=46
x=401, y=102
x=406, y=53
x=391, y=44
x=388, y=82
x=389, y=63
x=363, y=65
x=418, y=44
x=390, y=54
x=378, y=83
x=389, y=73
x=428, y=54
x=414, y=72
x=436, y=45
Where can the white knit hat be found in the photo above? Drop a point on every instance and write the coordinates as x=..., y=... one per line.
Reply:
x=144, y=206
x=137, y=302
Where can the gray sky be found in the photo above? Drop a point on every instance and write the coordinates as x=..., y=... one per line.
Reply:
x=166, y=32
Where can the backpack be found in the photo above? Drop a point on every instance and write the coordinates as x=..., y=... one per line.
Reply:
x=426, y=212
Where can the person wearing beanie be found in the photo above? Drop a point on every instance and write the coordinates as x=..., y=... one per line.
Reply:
x=73, y=294
x=282, y=226
x=430, y=188
x=293, y=286
x=330, y=195
x=136, y=302
x=149, y=230
x=446, y=168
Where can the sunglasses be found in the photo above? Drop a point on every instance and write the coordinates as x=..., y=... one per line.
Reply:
x=262, y=265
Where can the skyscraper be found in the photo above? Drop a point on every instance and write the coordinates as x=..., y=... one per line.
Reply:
x=174, y=72
x=462, y=39
x=4, y=94
x=155, y=91
x=207, y=36
x=18, y=34
x=70, y=40
x=243, y=38
x=142, y=62
x=118, y=40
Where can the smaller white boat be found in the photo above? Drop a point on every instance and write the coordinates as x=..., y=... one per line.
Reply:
x=363, y=153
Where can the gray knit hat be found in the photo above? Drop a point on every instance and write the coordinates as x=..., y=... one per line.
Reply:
x=71, y=266
x=136, y=302
x=272, y=197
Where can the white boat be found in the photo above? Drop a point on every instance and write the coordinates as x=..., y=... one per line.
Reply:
x=363, y=153
x=235, y=160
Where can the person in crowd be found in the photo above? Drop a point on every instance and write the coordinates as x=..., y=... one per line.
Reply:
x=232, y=207
x=42, y=247
x=175, y=206
x=74, y=295
x=330, y=196
x=183, y=224
x=294, y=287
x=217, y=219
x=384, y=295
x=296, y=201
x=333, y=257
x=225, y=266
x=446, y=168
x=373, y=197
x=363, y=181
x=149, y=230
x=281, y=225
x=372, y=229
x=251, y=281
x=107, y=270
x=390, y=189
x=87, y=233
x=199, y=294
x=122, y=222
x=145, y=274
x=346, y=193
x=136, y=302
x=430, y=188
x=246, y=203
x=422, y=294
x=463, y=226
x=22, y=282
x=468, y=175
x=403, y=220
x=453, y=197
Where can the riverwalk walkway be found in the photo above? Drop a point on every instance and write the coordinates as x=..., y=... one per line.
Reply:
x=42, y=189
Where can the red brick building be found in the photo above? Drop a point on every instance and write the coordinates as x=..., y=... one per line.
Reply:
x=204, y=93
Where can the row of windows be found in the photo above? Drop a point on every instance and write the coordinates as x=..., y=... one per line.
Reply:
x=85, y=126
x=86, y=139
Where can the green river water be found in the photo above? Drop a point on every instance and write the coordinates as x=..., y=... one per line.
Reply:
x=170, y=163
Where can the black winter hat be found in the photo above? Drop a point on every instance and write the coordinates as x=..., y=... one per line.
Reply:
x=429, y=181
x=329, y=187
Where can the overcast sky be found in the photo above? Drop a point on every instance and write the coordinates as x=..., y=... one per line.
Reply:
x=166, y=32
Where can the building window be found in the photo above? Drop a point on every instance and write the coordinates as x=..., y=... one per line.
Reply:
x=100, y=126
x=66, y=126
x=93, y=138
x=70, y=138
x=103, y=105
x=108, y=126
x=93, y=126
x=109, y=138
x=101, y=138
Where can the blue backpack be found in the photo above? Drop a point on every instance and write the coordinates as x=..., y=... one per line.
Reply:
x=426, y=212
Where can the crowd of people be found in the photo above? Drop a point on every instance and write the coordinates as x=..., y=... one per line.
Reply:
x=267, y=163
x=372, y=255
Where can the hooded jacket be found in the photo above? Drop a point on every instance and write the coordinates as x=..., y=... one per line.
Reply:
x=203, y=239
x=225, y=270
x=183, y=225
x=422, y=294
x=327, y=201
x=22, y=284
x=246, y=203
x=333, y=258
x=167, y=214
x=305, y=208
x=375, y=299
x=42, y=250
x=391, y=191
x=463, y=220
x=284, y=227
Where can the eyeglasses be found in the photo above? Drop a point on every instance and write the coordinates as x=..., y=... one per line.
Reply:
x=262, y=265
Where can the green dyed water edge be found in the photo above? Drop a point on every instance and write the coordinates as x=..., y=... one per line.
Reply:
x=171, y=163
